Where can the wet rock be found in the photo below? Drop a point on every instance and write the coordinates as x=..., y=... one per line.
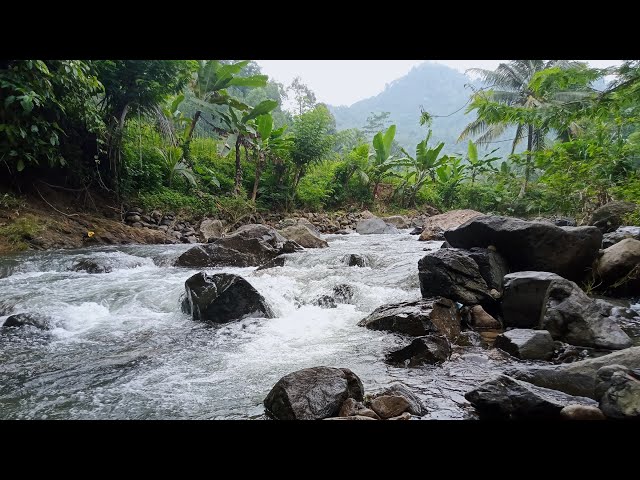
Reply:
x=211, y=229
x=526, y=344
x=92, y=266
x=352, y=417
x=291, y=247
x=397, y=221
x=481, y=320
x=416, y=407
x=309, y=225
x=355, y=260
x=525, y=297
x=367, y=412
x=581, y=412
x=431, y=349
x=374, y=226
x=404, y=416
x=578, y=378
x=622, y=399
x=470, y=339
x=611, y=216
x=303, y=237
x=416, y=231
x=417, y=319
x=349, y=407
x=453, y=274
x=604, y=378
x=223, y=297
x=435, y=226
x=506, y=397
x=620, y=234
x=325, y=301
x=540, y=246
x=344, y=231
x=388, y=406
x=565, y=222
x=493, y=267
x=619, y=267
x=343, y=293
x=42, y=322
x=276, y=262
x=312, y=393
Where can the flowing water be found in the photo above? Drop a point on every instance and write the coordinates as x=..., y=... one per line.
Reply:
x=122, y=349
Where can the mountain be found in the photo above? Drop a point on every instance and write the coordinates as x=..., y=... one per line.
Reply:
x=440, y=90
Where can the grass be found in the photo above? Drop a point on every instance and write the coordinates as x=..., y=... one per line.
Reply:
x=20, y=231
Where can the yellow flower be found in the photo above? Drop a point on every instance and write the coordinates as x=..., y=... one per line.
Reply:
x=90, y=234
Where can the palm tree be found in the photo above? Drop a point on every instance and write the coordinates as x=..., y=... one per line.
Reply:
x=510, y=84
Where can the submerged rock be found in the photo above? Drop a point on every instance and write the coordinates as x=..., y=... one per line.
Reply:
x=276, y=262
x=92, y=266
x=42, y=322
x=506, y=397
x=417, y=319
x=355, y=260
x=343, y=293
x=222, y=298
x=540, y=246
x=430, y=349
x=325, y=301
x=312, y=393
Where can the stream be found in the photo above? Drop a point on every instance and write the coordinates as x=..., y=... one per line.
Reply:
x=122, y=349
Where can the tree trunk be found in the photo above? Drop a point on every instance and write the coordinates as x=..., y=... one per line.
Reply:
x=238, y=181
x=192, y=127
x=527, y=167
x=375, y=190
x=256, y=182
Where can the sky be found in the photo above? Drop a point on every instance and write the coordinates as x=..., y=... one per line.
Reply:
x=344, y=82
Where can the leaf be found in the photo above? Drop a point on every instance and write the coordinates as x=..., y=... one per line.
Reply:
x=27, y=103
x=228, y=144
x=388, y=139
x=472, y=152
x=20, y=165
x=263, y=107
x=264, y=125
x=178, y=100
x=253, y=81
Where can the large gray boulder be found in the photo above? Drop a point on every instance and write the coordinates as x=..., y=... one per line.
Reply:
x=434, y=227
x=452, y=273
x=397, y=221
x=374, y=225
x=303, y=236
x=610, y=216
x=578, y=378
x=493, y=266
x=541, y=300
x=430, y=350
x=424, y=317
x=249, y=246
x=619, y=267
x=526, y=344
x=222, y=298
x=567, y=251
x=211, y=228
x=312, y=393
x=620, y=234
x=508, y=398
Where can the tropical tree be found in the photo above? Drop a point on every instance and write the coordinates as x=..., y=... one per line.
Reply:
x=173, y=164
x=382, y=160
x=302, y=95
x=269, y=144
x=477, y=165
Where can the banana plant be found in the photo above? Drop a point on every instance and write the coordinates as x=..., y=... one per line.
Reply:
x=173, y=165
x=422, y=167
x=269, y=144
x=478, y=165
x=172, y=123
x=381, y=160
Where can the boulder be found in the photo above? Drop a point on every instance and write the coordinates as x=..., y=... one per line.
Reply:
x=581, y=412
x=620, y=234
x=291, y=247
x=397, y=221
x=541, y=246
x=577, y=378
x=42, y=322
x=417, y=319
x=211, y=228
x=431, y=349
x=416, y=231
x=453, y=274
x=610, y=216
x=526, y=344
x=508, y=398
x=92, y=266
x=481, y=320
x=470, y=339
x=303, y=236
x=222, y=298
x=435, y=226
x=416, y=407
x=621, y=400
x=276, y=262
x=565, y=222
x=355, y=260
x=374, y=226
x=493, y=266
x=619, y=267
x=366, y=214
x=388, y=406
x=312, y=393
x=546, y=301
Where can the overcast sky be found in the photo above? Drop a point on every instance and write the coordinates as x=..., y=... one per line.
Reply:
x=343, y=82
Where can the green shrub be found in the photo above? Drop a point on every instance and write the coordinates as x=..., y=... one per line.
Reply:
x=316, y=187
x=21, y=230
x=166, y=199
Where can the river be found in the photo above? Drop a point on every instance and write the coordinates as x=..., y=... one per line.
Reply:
x=122, y=349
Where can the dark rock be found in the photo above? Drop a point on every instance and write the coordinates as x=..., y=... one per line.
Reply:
x=526, y=344
x=431, y=349
x=578, y=378
x=312, y=393
x=133, y=218
x=29, y=319
x=481, y=320
x=343, y=293
x=223, y=297
x=344, y=232
x=506, y=397
x=541, y=246
x=611, y=216
x=276, y=262
x=325, y=301
x=92, y=266
x=604, y=378
x=416, y=231
x=417, y=319
x=453, y=274
x=524, y=298
x=620, y=234
x=470, y=339
x=619, y=267
x=291, y=247
x=355, y=260
x=493, y=267
x=416, y=407
x=581, y=412
x=388, y=406
x=374, y=226
x=565, y=222
x=622, y=399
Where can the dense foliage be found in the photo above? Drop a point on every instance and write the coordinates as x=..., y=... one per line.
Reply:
x=213, y=137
